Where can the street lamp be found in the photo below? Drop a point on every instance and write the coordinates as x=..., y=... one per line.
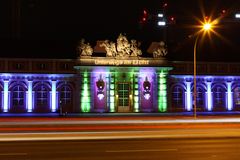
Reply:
x=205, y=27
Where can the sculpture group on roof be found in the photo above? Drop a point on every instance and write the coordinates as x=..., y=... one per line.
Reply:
x=84, y=49
x=160, y=51
x=122, y=48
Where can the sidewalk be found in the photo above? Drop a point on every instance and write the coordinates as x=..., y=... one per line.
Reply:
x=168, y=114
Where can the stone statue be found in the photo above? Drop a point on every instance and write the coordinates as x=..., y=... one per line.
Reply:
x=134, y=48
x=110, y=48
x=161, y=50
x=84, y=49
x=122, y=48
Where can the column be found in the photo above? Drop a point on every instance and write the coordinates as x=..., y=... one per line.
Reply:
x=229, y=96
x=112, y=92
x=209, y=96
x=188, y=99
x=162, y=91
x=135, y=93
x=85, y=92
x=53, y=97
x=29, y=97
x=5, y=95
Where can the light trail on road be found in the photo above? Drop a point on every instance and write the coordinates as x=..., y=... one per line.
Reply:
x=117, y=120
x=116, y=127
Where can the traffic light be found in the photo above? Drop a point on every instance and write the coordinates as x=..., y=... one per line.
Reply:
x=144, y=17
x=171, y=20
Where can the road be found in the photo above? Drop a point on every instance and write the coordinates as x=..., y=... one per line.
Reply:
x=134, y=149
x=119, y=138
x=32, y=129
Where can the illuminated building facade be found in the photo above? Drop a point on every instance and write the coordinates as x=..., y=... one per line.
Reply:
x=218, y=87
x=122, y=88
x=121, y=81
x=41, y=86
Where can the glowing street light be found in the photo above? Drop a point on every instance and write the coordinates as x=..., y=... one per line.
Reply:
x=205, y=27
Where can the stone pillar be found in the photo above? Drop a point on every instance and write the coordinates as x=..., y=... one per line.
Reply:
x=5, y=96
x=135, y=93
x=85, y=92
x=53, y=96
x=209, y=96
x=229, y=96
x=162, y=91
x=188, y=99
x=29, y=97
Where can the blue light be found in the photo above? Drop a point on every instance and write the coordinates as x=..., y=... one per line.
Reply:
x=5, y=102
x=53, y=96
x=229, y=96
x=30, y=105
x=189, y=99
x=209, y=96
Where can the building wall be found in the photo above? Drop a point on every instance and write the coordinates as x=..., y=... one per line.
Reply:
x=41, y=93
x=43, y=86
x=146, y=89
x=217, y=86
x=214, y=93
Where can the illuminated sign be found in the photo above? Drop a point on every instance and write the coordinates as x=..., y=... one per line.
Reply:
x=121, y=62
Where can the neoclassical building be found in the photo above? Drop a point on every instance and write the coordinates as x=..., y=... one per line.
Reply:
x=218, y=86
x=116, y=77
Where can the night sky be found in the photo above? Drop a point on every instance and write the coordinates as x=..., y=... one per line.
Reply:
x=52, y=28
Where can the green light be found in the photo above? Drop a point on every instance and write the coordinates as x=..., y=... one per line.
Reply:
x=111, y=86
x=111, y=99
x=136, y=107
x=135, y=92
x=112, y=109
x=136, y=99
x=136, y=86
x=111, y=93
x=162, y=92
x=85, y=94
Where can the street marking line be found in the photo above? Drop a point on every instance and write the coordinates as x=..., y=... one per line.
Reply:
x=143, y=150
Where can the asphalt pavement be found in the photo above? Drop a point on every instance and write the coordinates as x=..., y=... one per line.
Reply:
x=124, y=149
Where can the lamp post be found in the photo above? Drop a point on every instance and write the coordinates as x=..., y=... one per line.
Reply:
x=205, y=27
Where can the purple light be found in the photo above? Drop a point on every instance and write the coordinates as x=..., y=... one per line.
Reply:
x=146, y=87
x=100, y=96
x=99, y=78
x=147, y=96
x=147, y=76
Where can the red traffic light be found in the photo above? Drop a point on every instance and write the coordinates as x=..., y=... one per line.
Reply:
x=165, y=5
x=144, y=12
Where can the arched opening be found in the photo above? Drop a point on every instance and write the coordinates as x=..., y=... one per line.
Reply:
x=200, y=99
x=219, y=97
x=18, y=94
x=236, y=96
x=178, y=98
x=41, y=96
x=65, y=98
